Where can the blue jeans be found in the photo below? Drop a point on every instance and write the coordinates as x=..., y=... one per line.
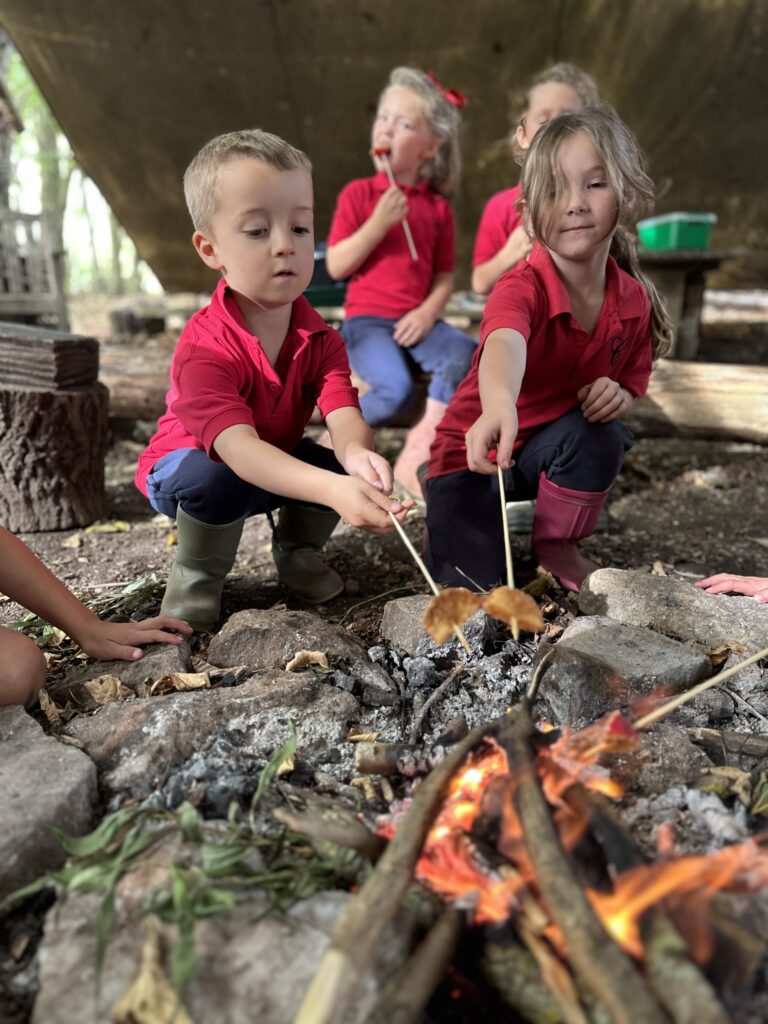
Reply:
x=212, y=493
x=387, y=367
x=464, y=530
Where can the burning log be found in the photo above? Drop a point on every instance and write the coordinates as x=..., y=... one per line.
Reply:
x=408, y=992
x=359, y=928
x=601, y=966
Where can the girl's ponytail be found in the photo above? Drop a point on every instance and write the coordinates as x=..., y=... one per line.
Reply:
x=624, y=251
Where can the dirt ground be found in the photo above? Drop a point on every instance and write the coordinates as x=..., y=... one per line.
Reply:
x=690, y=506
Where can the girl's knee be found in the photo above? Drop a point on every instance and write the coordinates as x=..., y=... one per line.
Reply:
x=22, y=669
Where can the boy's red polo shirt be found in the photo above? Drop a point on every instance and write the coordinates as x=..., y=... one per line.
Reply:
x=390, y=283
x=561, y=356
x=499, y=220
x=220, y=377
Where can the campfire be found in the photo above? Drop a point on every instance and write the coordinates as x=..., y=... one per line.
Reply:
x=515, y=831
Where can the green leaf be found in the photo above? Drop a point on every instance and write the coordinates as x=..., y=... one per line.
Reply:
x=287, y=750
x=100, y=838
x=760, y=802
x=220, y=860
x=105, y=917
x=189, y=823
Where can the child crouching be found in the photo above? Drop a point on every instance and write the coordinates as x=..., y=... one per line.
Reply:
x=245, y=377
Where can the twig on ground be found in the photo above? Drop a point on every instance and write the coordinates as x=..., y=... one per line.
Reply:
x=745, y=704
x=376, y=597
x=538, y=675
x=431, y=701
x=721, y=742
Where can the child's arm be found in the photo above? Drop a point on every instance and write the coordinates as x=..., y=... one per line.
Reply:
x=343, y=258
x=25, y=579
x=353, y=446
x=418, y=322
x=516, y=248
x=262, y=464
x=500, y=376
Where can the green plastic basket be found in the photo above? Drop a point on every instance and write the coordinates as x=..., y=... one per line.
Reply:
x=676, y=231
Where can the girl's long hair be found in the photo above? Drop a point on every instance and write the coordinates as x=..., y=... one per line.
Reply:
x=624, y=167
x=582, y=83
x=443, y=170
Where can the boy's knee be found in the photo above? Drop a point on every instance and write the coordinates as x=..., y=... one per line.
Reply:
x=23, y=668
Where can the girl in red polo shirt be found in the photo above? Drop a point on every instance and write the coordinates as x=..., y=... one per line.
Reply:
x=394, y=301
x=501, y=237
x=566, y=345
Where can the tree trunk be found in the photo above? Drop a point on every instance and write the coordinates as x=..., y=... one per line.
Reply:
x=52, y=450
x=116, y=237
x=96, y=280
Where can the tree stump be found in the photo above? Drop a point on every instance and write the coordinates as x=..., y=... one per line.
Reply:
x=52, y=449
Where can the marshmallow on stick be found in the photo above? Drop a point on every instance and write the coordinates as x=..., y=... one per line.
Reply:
x=382, y=152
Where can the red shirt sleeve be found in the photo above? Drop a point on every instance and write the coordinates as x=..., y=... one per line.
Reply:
x=444, y=259
x=209, y=398
x=496, y=225
x=348, y=214
x=333, y=384
x=514, y=304
x=635, y=373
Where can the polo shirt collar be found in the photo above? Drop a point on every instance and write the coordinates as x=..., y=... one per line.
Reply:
x=621, y=297
x=381, y=184
x=304, y=318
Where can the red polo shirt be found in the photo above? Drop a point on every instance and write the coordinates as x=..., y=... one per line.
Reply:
x=220, y=376
x=390, y=283
x=561, y=356
x=499, y=220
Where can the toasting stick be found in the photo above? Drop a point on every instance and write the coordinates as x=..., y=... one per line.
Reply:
x=382, y=152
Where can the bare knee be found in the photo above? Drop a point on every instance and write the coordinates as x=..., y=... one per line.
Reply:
x=22, y=668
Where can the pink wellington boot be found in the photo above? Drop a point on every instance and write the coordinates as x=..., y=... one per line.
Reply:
x=562, y=517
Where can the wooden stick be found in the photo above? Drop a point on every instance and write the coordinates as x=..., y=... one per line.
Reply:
x=717, y=741
x=683, y=698
x=603, y=968
x=358, y=930
x=505, y=528
x=425, y=573
x=432, y=699
x=406, y=226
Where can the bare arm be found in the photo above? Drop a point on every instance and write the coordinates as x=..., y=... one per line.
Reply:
x=262, y=464
x=25, y=579
x=516, y=247
x=343, y=258
x=500, y=376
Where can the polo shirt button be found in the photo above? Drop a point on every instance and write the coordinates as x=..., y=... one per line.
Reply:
x=274, y=387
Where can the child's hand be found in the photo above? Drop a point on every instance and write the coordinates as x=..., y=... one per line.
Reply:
x=118, y=640
x=369, y=466
x=391, y=208
x=604, y=400
x=496, y=428
x=412, y=327
x=518, y=245
x=725, y=583
x=362, y=505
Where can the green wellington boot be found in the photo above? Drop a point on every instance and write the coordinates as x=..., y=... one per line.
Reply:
x=205, y=555
x=299, y=536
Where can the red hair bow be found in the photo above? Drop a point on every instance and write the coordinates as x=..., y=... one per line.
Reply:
x=453, y=96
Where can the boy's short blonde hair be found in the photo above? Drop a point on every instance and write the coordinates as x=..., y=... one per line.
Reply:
x=200, y=178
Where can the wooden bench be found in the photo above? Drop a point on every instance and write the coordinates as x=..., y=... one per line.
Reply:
x=680, y=274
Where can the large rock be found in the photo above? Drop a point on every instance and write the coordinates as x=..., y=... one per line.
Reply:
x=251, y=966
x=267, y=640
x=674, y=608
x=665, y=758
x=402, y=625
x=644, y=659
x=42, y=782
x=137, y=744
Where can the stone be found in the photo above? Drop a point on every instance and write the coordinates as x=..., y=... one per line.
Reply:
x=42, y=782
x=644, y=659
x=420, y=673
x=137, y=744
x=268, y=639
x=665, y=758
x=402, y=626
x=250, y=966
x=675, y=608
x=579, y=688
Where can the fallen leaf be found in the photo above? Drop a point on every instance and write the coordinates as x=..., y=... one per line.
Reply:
x=171, y=539
x=658, y=568
x=113, y=526
x=517, y=609
x=544, y=581
x=727, y=781
x=108, y=689
x=19, y=946
x=51, y=711
x=70, y=741
x=447, y=610
x=75, y=541
x=353, y=736
x=151, y=998
x=286, y=766
x=302, y=659
x=180, y=682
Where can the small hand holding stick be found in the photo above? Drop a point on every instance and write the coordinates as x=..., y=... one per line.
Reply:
x=382, y=153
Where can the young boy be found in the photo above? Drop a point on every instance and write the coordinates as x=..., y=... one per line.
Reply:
x=245, y=377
